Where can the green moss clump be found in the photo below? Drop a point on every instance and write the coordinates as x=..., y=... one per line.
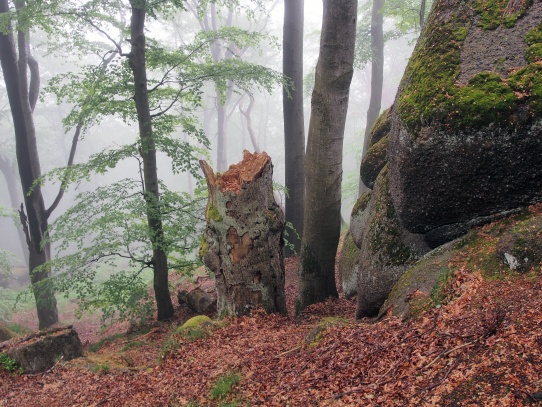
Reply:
x=361, y=203
x=203, y=247
x=430, y=94
x=381, y=127
x=528, y=83
x=485, y=100
x=212, y=213
x=431, y=74
x=349, y=251
x=195, y=322
x=493, y=13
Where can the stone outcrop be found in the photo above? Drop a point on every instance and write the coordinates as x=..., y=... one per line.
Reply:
x=521, y=248
x=386, y=249
x=462, y=144
x=198, y=299
x=465, y=139
x=40, y=351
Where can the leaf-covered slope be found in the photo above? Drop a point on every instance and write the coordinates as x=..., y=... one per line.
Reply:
x=482, y=345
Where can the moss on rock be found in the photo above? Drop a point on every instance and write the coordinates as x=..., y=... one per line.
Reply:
x=195, y=322
x=381, y=127
x=521, y=248
x=349, y=266
x=431, y=94
x=494, y=13
x=359, y=217
x=374, y=161
x=386, y=250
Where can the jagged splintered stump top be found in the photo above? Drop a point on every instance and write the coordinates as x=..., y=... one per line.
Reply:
x=238, y=174
x=242, y=242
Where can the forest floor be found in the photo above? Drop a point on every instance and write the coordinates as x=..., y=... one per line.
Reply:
x=483, y=347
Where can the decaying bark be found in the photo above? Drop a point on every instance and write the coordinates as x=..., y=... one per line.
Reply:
x=242, y=243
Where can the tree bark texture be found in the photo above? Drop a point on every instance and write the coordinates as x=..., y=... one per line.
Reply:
x=323, y=161
x=377, y=76
x=294, y=127
x=148, y=154
x=21, y=99
x=242, y=243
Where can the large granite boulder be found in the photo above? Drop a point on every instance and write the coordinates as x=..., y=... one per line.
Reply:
x=386, y=249
x=465, y=138
x=377, y=249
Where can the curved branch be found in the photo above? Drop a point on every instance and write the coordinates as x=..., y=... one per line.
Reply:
x=62, y=188
x=248, y=118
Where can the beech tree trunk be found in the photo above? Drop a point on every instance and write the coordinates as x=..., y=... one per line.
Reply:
x=137, y=61
x=242, y=243
x=323, y=161
x=377, y=76
x=22, y=99
x=294, y=126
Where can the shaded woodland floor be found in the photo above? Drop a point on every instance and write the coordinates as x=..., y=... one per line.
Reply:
x=482, y=348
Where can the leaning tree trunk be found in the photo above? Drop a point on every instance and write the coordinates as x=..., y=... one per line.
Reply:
x=22, y=98
x=323, y=161
x=242, y=243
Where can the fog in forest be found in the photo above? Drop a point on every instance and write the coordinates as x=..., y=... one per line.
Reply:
x=54, y=140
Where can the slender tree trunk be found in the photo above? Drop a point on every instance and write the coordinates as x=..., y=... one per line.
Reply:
x=294, y=127
x=21, y=95
x=323, y=162
x=15, y=198
x=148, y=154
x=377, y=76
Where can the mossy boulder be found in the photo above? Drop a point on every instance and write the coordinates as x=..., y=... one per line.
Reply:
x=40, y=351
x=374, y=161
x=386, y=250
x=359, y=216
x=418, y=289
x=428, y=282
x=467, y=122
x=349, y=266
x=521, y=248
x=381, y=127
x=195, y=322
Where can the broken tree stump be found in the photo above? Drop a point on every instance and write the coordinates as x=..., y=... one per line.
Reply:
x=242, y=243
